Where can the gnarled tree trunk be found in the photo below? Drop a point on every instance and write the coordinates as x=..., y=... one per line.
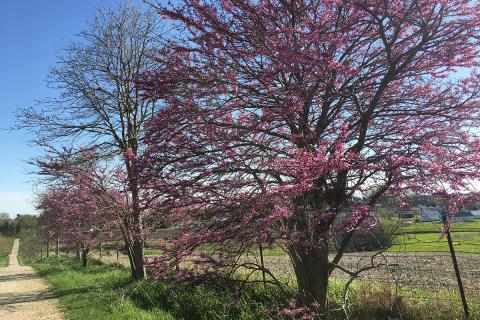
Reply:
x=85, y=251
x=311, y=268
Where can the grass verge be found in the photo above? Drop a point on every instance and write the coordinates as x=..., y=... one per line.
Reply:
x=106, y=292
x=23, y=261
x=5, y=250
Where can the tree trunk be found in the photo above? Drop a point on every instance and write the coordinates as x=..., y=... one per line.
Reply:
x=78, y=253
x=312, y=271
x=85, y=256
x=128, y=246
x=48, y=249
x=131, y=260
x=138, y=252
x=137, y=248
x=57, y=248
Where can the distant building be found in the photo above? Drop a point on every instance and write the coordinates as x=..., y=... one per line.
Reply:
x=464, y=215
x=476, y=214
x=405, y=213
x=433, y=213
x=429, y=214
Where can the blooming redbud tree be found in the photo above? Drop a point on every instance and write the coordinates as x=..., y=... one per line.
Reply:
x=279, y=115
x=77, y=219
x=91, y=199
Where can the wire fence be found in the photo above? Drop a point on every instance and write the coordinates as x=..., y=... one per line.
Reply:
x=426, y=278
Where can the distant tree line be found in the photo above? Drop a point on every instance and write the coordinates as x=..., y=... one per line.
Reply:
x=22, y=223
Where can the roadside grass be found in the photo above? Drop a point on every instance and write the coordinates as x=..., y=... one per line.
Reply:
x=97, y=292
x=106, y=292
x=6, y=244
x=23, y=261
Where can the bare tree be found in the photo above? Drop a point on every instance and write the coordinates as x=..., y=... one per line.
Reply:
x=98, y=104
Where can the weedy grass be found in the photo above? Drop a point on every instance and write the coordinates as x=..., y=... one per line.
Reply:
x=106, y=292
x=376, y=300
x=5, y=250
x=103, y=291
x=96, y=292
x=23, y=261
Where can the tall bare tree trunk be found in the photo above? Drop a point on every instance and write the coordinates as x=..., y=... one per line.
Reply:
x=137, y=252
x=138, y=242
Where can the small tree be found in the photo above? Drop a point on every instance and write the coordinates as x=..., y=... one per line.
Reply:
x=76, y=213
x=85, y=202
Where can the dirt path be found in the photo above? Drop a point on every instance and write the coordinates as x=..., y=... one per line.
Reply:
x=23, y=294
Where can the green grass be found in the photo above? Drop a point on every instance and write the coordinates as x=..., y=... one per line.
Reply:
x=426, y=237
x=23, y=261
x=5, y=250
x=97, y=292
x=463, y=242
x=152, y=252
x=106, y=292
x=3, y=260
x=436, y=227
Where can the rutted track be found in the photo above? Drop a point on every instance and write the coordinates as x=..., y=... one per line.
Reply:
x=23, y=294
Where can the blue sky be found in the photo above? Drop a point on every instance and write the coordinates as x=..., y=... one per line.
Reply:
x=31, y=32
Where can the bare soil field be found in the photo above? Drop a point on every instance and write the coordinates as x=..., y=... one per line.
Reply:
x=426, y=270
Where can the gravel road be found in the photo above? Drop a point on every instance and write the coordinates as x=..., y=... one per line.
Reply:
x=23, y=294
